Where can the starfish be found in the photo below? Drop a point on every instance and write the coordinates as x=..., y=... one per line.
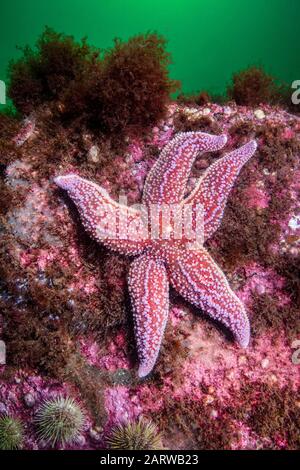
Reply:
x=165, y=251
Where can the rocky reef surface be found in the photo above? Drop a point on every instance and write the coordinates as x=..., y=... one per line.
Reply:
x=65, y=313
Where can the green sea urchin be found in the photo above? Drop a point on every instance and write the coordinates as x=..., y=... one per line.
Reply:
x=140, y=435
x=59, y=420
x=11, y=433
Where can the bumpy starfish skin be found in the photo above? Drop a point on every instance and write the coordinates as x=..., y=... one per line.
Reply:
x=169, y=258
x=149, y=291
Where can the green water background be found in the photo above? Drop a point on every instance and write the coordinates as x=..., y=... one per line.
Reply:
x=208, y=39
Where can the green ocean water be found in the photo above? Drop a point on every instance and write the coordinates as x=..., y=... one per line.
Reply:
x=208, y=39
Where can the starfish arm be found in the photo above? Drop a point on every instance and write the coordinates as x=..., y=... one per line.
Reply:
x=149, y=292
x=199, y=280
x=118, y=227
x=215, y=185
x=167, y=179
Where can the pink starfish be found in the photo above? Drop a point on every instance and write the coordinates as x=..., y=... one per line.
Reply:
x=168, y=253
